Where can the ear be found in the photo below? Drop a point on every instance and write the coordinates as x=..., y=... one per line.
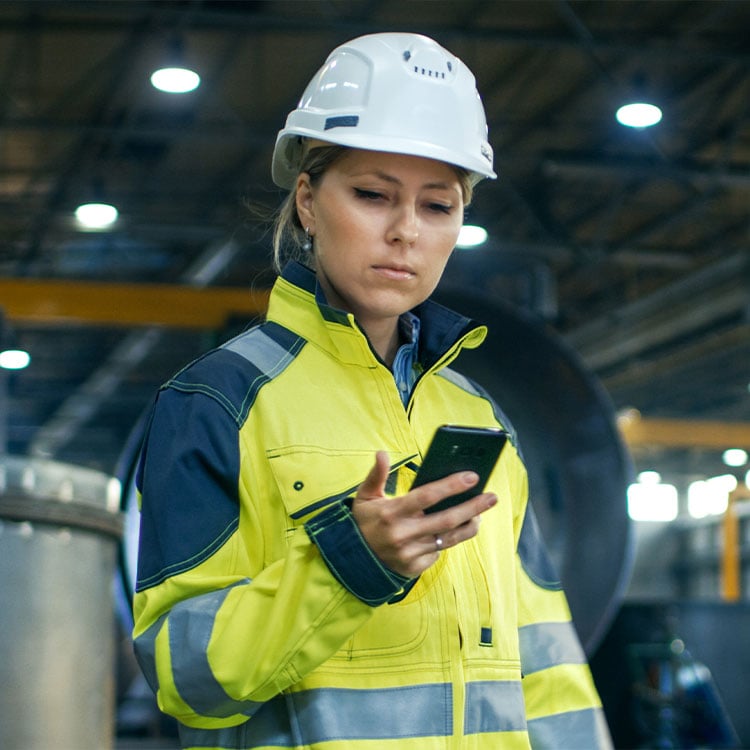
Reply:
x=305, y=202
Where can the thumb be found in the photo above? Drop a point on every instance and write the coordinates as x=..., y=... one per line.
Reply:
x=374, y=484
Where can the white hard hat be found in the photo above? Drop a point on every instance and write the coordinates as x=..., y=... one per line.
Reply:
x=401, y=93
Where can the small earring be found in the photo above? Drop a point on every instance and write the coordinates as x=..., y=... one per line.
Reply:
x=307, y=242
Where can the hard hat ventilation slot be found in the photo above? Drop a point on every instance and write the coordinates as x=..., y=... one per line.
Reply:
x=429, y=73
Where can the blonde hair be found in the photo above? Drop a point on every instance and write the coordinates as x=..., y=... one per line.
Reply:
x=288, y=232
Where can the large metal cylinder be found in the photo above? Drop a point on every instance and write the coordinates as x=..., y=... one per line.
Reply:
x=59, y=530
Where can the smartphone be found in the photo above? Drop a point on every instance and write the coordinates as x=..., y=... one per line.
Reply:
x=456, y=448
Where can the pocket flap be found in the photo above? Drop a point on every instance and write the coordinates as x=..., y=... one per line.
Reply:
x=310, y=477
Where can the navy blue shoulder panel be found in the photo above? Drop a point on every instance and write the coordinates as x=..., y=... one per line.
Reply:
x=234, y=373
x=189, y=467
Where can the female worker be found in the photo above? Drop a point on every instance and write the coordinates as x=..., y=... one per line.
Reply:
x=292, y=592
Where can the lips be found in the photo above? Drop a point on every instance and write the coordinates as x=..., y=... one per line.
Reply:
x=395, y=271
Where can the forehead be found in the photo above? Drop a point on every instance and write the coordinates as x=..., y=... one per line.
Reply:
x=400, y=168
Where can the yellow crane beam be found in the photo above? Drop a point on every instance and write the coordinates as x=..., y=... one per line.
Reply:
x=102, y=303
x=640, y=432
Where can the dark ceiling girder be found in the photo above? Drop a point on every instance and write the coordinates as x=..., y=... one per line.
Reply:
x=706, y=295
x=733, y=340
x=166, y=131
x=204, y=19
x=586, y=167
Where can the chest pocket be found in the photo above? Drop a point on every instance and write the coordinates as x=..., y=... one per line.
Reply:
x=308, y=478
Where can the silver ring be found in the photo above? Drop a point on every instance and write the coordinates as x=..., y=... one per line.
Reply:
x=438, y=543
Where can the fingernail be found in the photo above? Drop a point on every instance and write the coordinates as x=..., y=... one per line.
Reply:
x=470, y=477
x=492, y=500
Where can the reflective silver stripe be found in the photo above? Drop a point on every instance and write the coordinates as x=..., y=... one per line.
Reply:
x=548, y=644
x=585, y=729
x=494, y=707
x=269, y=727
x=262, y=351
x=190, y=625
x=329, y=714
x=145, y=652
x=459, y=380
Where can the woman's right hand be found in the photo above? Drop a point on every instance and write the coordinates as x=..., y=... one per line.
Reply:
x=400, y=533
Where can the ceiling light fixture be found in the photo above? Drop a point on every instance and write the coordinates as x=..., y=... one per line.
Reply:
x=638, y=115
x=175, y=80
x=175, y=77
x=734, y=457
x=649, y=477
x=471, y=236
x=14, y=359
x=96, y=215
x=652, y=501
x=710, y=497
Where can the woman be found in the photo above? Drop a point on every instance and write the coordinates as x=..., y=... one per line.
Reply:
x=292, y=592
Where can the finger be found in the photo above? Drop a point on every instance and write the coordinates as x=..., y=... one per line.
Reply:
x=460, y=522
x=374, y=484
x=444, y=540
x=433, y=492
x=458, y=515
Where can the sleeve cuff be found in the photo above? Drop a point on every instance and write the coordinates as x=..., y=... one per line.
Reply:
x=348, y=556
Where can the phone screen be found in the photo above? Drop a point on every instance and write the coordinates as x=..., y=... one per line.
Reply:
x=457, y=448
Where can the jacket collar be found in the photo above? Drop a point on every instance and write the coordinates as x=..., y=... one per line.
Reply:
x=298, y=303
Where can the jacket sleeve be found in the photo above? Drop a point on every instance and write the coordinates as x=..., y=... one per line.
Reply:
x=219, y=631
x=563, y=708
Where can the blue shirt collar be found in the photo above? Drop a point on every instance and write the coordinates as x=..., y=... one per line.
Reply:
x=405, y=371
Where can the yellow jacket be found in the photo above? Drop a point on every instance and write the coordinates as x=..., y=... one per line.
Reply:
x=262, y=619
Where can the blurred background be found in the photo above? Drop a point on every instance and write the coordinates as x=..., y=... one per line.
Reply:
x=611, y=260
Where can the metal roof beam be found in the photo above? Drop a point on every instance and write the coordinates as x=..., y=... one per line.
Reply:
x=205, y=19
x=711, y=293
x=697, y=174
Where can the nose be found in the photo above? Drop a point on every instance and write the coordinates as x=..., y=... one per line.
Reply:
x=405, y=226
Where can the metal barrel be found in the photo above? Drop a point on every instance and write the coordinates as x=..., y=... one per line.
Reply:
x=59, y=531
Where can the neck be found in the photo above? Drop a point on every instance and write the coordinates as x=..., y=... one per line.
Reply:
x=384, y=338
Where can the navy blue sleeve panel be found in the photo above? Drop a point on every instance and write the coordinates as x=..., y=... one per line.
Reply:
x=188, y=479
x=350, y=559
x=533, y=553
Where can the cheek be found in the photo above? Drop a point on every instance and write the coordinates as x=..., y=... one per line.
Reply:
x=436, y=267
x=446, y=246
x=339, y=227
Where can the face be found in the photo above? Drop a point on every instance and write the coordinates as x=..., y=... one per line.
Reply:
x=384, y=226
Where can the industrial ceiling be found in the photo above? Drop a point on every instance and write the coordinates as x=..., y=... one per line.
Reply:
x=632, y=246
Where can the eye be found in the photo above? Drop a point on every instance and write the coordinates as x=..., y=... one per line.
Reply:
x=368, y=195
x=442, y=208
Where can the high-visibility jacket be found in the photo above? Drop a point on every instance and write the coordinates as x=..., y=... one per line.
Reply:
x=262, y=617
